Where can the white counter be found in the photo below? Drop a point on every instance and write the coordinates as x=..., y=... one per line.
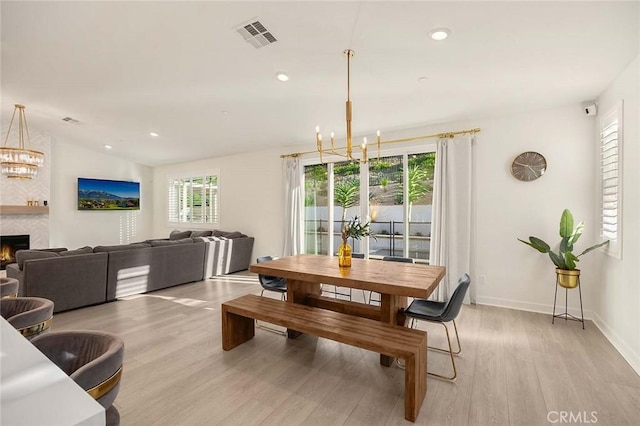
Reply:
x=34, y=391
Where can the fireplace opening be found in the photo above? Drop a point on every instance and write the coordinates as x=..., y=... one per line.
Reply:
x=9, y=245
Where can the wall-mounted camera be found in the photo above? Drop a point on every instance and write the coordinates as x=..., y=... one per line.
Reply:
x=590, y=108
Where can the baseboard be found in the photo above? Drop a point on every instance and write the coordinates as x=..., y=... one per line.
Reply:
x=530, y=307
x=632, y=358
x=627, y=353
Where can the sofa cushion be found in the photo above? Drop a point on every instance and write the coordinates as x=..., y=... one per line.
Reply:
x=158, y=243
x=106, y=249
x=198, y=234
x=179, y=235
x=22, y=255
x=81, y=250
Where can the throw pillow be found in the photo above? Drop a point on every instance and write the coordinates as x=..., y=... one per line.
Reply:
x=235, y=234
x=23, y=255
x=198, y=234
x=55, y=249
x=218, y=233
x=81, y=250
x=179, y=235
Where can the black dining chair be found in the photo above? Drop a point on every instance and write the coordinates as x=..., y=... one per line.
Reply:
x=388, y=259
x=269, y=283
x=442, y=313
x=274, y=284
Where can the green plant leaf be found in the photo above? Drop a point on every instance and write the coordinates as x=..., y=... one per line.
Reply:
x=566, y=224
x=564, y=245
x=577, y=233
x=594, y=247
x=557, y=260
x=570, y=260
x=537, y=244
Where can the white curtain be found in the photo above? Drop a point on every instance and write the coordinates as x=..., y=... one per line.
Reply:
x=293, y=206
x=452, y=232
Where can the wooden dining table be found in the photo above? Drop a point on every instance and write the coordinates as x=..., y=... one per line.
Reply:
x=395, y=281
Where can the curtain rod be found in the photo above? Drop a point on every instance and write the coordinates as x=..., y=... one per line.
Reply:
x=445, y=135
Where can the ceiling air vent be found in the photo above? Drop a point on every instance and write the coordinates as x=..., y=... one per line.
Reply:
x=255, y=34
x=70, y=120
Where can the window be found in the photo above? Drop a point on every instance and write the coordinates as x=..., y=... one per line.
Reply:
x=393, y=192
x=611, y=179
x=194, y=199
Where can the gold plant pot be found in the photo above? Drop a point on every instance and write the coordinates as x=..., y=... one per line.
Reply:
x=568, y=278
x=344, y=255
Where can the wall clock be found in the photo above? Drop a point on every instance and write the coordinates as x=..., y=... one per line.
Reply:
x=528, y=166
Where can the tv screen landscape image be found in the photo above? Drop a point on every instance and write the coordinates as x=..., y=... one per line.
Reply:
x=101, y=194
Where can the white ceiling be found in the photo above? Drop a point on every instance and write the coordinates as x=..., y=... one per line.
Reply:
x=124, y=69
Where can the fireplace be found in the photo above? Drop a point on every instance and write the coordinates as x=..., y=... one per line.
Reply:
x=9, y=244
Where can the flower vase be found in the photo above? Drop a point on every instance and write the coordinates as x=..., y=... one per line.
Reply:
x=344, y=255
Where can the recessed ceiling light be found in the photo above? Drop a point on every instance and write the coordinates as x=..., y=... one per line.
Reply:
x=282, y=76
x=154, y=134
x=439, y=34
x=108, y=147
x=422, y=80
x=225, y=112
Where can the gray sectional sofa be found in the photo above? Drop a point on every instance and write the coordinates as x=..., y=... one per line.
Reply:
x=89, y=276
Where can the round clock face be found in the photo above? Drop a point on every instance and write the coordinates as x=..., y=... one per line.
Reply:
x=528, y=166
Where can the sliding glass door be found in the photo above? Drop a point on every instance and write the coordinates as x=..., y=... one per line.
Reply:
x=393, y=192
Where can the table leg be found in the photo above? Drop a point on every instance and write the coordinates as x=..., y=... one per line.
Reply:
x=392, y=312
x=297, y=292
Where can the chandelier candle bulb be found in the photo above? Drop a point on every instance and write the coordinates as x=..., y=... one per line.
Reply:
x=332, y=146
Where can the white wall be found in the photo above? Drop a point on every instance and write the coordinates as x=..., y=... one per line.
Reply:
x=516, y=276
x=72, y=228
x=618, y=283
x=251, y=197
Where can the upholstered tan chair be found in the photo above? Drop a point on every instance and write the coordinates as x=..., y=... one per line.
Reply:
x=31, y=316
x=93, y=359
x=9, y=287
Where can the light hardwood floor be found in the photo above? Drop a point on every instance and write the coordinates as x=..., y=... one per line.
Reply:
x=516, y=368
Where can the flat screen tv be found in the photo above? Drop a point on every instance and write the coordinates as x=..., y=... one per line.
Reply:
x=101, y=194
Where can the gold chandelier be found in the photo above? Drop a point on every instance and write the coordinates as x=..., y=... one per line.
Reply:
x=20, y=163
x=349, y=148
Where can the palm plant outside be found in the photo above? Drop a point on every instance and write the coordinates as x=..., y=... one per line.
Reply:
x=346, y=195
x=418, y=187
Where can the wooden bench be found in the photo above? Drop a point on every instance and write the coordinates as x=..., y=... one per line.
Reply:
x=410, y=345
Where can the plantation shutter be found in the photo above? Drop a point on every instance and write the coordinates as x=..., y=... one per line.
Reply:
x=173, y=190
x=610, y=172
x=193, y=199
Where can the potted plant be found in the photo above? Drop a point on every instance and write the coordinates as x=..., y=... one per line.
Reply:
x=351, y=229
x=564, y=259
